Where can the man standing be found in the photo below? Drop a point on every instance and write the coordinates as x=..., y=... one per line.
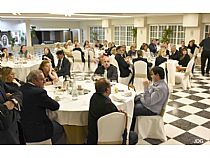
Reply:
x=205, y=43
x=36, y=124
x=153, y=47
x=109, y=70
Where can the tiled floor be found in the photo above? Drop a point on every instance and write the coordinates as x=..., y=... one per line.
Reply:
x=187, y=117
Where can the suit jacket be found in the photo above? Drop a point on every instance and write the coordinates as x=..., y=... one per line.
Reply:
x=65, y=67
x=9, y=133
x=100, y=105
x=152, y=48
x=111, y=72
x=36, y=124
x=123, y=66
x=159, y=60
x=175, y=56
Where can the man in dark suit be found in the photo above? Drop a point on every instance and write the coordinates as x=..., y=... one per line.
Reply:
x=10, y=103
x=100, y=105
x=153, y=47
x=63, y=67
x=108, y=70
x=205, y=43
x=174, y=55
x=125, y=72
x=36, y=124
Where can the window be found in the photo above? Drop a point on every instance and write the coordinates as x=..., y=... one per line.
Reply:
x=206, y=30
x=82, y=36
x=178, y=34
x=97, y=33
x=123, y=35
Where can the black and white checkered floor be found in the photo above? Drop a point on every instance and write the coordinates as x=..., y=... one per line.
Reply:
x=187, y=117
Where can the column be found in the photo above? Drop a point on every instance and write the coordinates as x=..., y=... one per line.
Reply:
x=28, y=33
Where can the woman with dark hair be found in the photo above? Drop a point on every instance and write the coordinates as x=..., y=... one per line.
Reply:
x=192, y=46
x=132, y=52
x=24, y=52
x=86, y=45
x=48, y=56
x=49, y=73
x=184, y=60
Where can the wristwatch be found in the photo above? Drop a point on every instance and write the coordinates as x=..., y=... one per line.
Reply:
x=17, y=105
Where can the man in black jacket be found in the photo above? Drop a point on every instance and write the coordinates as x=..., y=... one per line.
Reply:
x=63, y=67
x=125, y=72
x=100, y=105
x=10, y=105
x=107, y=69
x=36, y=124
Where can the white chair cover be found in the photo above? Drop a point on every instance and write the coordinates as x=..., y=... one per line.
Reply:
x=111, y=128
x=114, y=62
x=140, y=68
x=163, y=65
x=151, y=126
x=78, y=64
x=183, y=78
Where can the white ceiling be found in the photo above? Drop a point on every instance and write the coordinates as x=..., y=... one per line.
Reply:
x=75, y=16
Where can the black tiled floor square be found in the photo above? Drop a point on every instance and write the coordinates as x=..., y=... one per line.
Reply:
x=153, y=141
x=207, y=125
x=199, y=105
x=190, y=91
x=183, y=124
x=204, y=87
x=179, y=113
x=189, y=139
x=175, y=104
x=204, y=114
x=193, y=97
x=174, y=97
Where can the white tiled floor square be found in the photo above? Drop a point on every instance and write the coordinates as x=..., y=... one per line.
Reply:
x=198, y=89
x=201, y=132
x=190, y=109
x=178, y=89
x=195, y=85
x=202, y=95
x=172, y=131
x=208, y=85
x=142, y=142
x=208, y=109
x=169, y=108
x=185, y=101
x=171, y=142
x=181, y=94
x=169, y=118
x=205, y=101
x=196, y=119
x=207, y=143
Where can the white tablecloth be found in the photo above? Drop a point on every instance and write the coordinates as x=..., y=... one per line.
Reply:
x=22, y=70
x=76, y=112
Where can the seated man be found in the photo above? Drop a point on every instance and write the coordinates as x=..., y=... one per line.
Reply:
x=100, y=105
x=124, y=64
x=154, y=97
x=36, y=124
x=63, y=67
x=108, y=70
x=10, y=104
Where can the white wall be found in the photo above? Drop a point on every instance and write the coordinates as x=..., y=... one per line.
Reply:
x=12, y=25
x=173, y=19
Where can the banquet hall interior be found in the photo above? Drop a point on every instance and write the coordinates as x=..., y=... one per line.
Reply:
x=186, y=116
